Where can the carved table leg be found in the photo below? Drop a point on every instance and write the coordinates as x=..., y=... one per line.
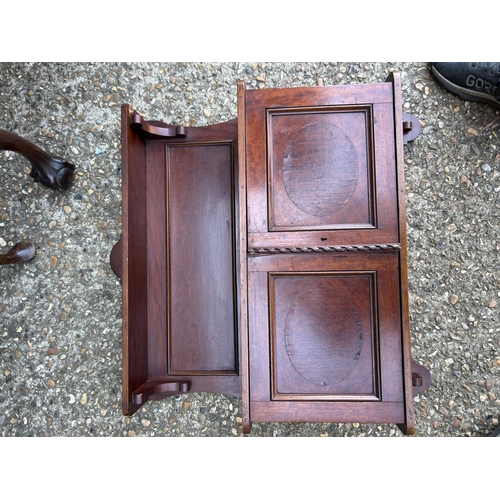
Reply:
x=49, y=170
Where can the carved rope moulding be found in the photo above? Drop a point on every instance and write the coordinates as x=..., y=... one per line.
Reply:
x=321, y=249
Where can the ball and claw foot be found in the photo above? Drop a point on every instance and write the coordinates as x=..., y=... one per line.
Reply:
x=21, y=252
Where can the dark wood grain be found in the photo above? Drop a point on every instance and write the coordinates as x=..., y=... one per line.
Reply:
x=201, y=259
x=241, y=249
x=344, y=307
x=49, y=170
x=178, y=260
x=321, y=174
x=320, y=168
x=408, y=427
x=328, y=331
x=265, y=258
x=134, y=264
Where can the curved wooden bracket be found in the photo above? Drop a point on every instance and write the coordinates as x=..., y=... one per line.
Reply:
x=115, y=259
x=421, y=378
x=21, y=252
x=159, y=390
x=155, y=128
x=49, y=170
x=411, y=128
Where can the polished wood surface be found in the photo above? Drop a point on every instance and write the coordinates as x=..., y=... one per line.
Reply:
x=333, y=333
x=201, y=265
x=177, y=260
x=49, y=170
x=265, y=257
x=320, y=166
x=328, y=329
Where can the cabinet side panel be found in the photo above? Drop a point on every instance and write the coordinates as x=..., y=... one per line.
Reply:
x=200, y=234
x=135, y=321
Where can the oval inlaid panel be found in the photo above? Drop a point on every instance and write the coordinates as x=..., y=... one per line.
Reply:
x=323, y=335
x=320, y=168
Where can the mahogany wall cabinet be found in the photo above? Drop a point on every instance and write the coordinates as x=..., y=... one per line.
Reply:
x=265, y=257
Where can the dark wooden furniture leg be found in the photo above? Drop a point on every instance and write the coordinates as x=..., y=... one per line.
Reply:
x=22, y=251
x=51, y=171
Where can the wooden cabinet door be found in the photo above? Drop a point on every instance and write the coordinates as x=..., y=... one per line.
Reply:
x=321, y=167
x=325, y=338
x=327, y=294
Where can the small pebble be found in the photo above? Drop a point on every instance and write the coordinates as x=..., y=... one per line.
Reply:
x=425, y=73
x=453, y=299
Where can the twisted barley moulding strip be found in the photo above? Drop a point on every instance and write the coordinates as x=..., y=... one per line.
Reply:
x=340, y=248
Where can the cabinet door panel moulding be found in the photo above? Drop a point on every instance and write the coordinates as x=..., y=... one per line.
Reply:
x=265, y=257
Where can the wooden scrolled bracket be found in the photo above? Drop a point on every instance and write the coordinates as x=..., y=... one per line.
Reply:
x=421, y=378
x=21, y=252
x=411, y=128
x=159, y=390
x=49, y=170
x=155, y=128
x=115, y=259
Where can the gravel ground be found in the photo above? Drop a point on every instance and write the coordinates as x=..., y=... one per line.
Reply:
x=60, y=314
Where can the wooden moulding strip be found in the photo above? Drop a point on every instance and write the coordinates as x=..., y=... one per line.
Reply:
x=125, y=113
x=134, y=329
x=409, y=425
x=242, y=261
